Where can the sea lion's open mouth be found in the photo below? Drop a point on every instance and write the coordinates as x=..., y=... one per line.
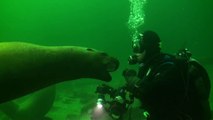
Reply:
x=112, y=66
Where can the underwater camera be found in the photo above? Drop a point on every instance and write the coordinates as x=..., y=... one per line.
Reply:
x=116, y=105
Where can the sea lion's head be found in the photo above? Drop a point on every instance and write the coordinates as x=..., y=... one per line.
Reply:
x=101, y=64
x=90, y=63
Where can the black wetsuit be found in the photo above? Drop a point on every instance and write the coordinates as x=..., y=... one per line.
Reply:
x=168, y=92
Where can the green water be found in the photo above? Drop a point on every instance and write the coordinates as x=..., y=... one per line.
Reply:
x=106, y=25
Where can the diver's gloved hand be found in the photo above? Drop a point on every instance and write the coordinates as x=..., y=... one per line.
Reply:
x=131, y=79
x=104, y=89
x=129, y=72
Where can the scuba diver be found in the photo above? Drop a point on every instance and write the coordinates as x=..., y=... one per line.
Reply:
x=170, y=87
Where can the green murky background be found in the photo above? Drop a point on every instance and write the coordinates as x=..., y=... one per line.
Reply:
x=103, y=25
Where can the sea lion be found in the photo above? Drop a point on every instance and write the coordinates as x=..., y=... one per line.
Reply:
x=26, y=67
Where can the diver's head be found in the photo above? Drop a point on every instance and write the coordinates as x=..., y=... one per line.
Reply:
x=147, y=44
x=147, y=41
x=150, y=42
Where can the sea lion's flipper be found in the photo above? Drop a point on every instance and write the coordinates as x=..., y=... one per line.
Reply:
x=33, y=107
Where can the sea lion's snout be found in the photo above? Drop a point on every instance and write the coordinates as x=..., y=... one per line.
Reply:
x=103, y=64
x=109, y=64
x=112, y=65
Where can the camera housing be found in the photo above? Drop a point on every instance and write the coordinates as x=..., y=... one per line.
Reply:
x=117, y=105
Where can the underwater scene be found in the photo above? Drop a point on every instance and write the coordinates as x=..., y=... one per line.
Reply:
x=66, y=59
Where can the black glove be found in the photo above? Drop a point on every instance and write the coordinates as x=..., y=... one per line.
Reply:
x=129, y=72
x=131, y=78
x=104, y=89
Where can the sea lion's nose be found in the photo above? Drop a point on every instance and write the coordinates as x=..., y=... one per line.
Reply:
x=112, y=65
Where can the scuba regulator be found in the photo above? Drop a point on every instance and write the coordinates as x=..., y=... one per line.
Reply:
x=137, y=48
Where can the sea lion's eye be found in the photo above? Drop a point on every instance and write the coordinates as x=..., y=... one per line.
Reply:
x=90, y=49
